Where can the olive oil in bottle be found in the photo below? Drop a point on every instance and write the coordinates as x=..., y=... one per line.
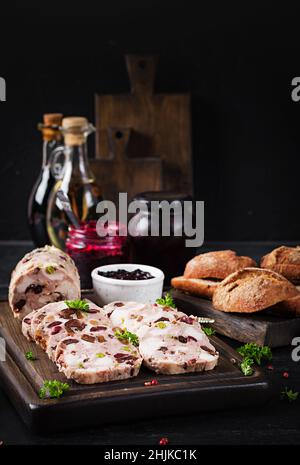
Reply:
x=38, y=200
x=77, y=182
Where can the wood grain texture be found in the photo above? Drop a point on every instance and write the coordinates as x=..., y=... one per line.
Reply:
x=159, y=128
x=121, y=173
x=118, y=400
x=261, y=328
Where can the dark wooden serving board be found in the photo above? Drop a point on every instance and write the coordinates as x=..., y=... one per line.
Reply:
x=261, y=328
x=120, y=400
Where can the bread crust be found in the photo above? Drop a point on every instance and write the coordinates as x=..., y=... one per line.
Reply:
x=199, y=287
x=289, y=307
x=284, y=260
x=251, y=290
x=218, y=264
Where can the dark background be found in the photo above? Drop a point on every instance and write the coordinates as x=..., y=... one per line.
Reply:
x=236, y=58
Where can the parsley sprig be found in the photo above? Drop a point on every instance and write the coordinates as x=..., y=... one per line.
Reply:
x=208, y=330
x=124, y=335
x=246, y=366
x=77, y=304
x=289, y=394
x=30, y=356
x=253, y=354
x=53, y=389
x=166, y=301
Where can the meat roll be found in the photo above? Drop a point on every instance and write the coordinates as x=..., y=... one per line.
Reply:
x=87, y=360
x=170, y=342
x=79, y=337
x=62, y=321
x=135, y=315
x=44, y=275
x=177, y=347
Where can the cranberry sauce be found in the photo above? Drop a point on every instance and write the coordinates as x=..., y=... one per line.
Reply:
x=135, y=275
x=89, y=251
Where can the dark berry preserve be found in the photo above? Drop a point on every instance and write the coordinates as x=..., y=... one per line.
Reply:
x=169, y=253
x=135, y=275
x=89, y=251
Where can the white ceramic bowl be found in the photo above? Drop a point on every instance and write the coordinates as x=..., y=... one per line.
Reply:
x=108, y=290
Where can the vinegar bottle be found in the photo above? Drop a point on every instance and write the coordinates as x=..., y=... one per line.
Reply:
x=38, y=200
x=77, y=181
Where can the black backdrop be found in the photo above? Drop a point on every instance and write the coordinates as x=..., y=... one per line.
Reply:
x=236, y=58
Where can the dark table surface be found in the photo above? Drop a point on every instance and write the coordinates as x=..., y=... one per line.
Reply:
x=278, y=422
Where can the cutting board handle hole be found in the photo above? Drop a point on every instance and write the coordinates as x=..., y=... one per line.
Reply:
x=142, y=64
x=119, y=134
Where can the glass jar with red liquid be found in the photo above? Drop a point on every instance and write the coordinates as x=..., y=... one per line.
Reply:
x=89, y=250
x=169, y=253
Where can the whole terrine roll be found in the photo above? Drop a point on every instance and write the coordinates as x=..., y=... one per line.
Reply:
x=44, y=275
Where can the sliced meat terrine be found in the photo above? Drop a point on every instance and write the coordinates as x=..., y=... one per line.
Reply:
x=170, y=342
x=134, y=315
x=177, y=347
x=62, y=320
x=87, y=360
x=79, y=337
x=44, y=275
x=30, y=322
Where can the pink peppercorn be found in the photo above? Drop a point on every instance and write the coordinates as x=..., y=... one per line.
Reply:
x=163, y=441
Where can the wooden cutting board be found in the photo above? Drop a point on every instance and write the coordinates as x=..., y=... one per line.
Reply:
x=119, y=400
x=143, y=139
x=261, y=328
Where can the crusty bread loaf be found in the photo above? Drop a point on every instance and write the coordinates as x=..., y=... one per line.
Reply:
x=289, y=307
x=199, y=287
x=251, y=290
x=284, y=260
x=216, y=265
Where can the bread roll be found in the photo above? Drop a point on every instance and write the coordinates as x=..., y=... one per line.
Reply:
x=216, y=265
x=194, y=286
x=251, y=290
x=284, y=260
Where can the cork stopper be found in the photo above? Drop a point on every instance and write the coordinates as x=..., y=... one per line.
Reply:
x=75, y=122
x=50, y=126
x=75, y=130
x=52, y=119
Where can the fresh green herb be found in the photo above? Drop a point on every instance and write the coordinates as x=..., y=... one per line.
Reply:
x=255, y=352
x=100, y=355
x=208, y=330
x=53, y=389
x=161, y=325
x=124, y=335
x=77, y=305
x=80, y=365
x=166, y=301
x=246, y=366
x=29, y=355
x=289, y=395
x=50, y=269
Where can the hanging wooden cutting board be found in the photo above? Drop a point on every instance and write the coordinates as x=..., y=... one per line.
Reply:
x=143, y=139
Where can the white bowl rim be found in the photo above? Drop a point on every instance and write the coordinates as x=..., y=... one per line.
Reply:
x=159, y=275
